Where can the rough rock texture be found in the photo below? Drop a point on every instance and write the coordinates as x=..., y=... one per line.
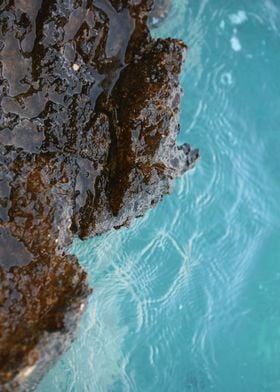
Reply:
x=88, y=125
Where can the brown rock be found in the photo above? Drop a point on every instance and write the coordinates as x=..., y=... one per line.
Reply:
x=89, y=119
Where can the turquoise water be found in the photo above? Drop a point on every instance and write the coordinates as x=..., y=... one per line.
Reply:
x=188, y=298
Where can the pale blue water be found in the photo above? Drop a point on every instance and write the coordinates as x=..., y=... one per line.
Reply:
x=188, y=298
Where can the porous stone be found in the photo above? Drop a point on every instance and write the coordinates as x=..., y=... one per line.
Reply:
x=88, y=126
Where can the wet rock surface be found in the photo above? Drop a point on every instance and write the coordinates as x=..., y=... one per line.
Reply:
x=88, y=125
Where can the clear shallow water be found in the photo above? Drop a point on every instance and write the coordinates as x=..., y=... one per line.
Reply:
x=187, y=299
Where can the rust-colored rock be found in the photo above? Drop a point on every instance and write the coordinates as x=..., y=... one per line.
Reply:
x=89, y=119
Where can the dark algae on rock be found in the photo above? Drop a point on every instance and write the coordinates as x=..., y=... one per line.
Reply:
x=89, y=119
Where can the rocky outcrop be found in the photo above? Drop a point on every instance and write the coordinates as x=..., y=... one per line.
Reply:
x=89, y=119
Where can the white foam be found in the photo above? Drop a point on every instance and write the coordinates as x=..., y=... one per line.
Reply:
x=235, y=44
x=238, y=18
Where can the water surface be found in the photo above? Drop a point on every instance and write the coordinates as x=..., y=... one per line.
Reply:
x=188, y=298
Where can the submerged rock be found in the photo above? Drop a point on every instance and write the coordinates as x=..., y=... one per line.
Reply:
x=159, y=12
x=89, y=119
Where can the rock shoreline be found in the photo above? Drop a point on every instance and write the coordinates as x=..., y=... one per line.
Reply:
x=88, y=126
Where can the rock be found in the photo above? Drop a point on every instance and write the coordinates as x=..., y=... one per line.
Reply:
x=88, y=126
